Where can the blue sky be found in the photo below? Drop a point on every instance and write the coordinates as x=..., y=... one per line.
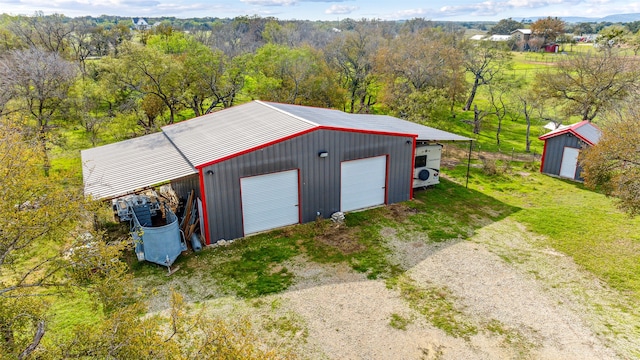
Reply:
x=474, y=10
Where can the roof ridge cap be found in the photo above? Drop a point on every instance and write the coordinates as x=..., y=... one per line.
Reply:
x=177, y=148
x=287, y=113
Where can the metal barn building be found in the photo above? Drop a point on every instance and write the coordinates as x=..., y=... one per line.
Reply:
x=260, y=165
x=562, y=147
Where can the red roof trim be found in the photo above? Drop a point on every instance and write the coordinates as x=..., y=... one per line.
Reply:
x=203, y=194
x=544, y=155
x=372, y=132
x=413, y=161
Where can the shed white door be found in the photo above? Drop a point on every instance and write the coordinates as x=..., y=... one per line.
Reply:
x=362, y=183
x=269, y=201
x=569, y=162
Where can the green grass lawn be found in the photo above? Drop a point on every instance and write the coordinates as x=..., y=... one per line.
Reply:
x=580, y=223
x=576, y=221
x=257, y=265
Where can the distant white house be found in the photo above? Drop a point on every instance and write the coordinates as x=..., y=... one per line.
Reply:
x=499, y=38
x=477, y=37
x=522, y=34
x=140, y=24
x=522, y=37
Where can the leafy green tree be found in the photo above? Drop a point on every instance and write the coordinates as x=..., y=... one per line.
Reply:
x=548, y=28
x=40, y=219
x=8, y=40
x=613, y=35
x=148, y=71
x=634, y=42
x=588, y=83
x=583, y=28
x=170, y=42
x=294, y=76
x=213, y=78
x=352, y=55
x=418, y=65
x=613, y=164
x=90, y=106
x=506, y=26
x=286, y=34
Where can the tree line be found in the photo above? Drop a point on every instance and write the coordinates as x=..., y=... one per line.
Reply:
x=59, y=71
x=113, y=82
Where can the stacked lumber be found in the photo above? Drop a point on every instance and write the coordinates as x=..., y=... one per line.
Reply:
x=191, y=219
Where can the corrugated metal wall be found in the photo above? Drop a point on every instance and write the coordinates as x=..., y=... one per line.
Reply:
x=183, y=186
x=319, y=177
x=554, y=150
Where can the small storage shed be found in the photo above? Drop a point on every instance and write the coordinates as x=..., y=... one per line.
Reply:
x=261, y=165
x=562, y=147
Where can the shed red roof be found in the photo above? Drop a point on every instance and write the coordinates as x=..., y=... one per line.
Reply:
x=584, y=130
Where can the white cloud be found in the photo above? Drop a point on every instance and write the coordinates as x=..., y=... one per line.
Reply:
x=410, y=13
x=489, y=8
x=270, y=2
x=484, y=8
x=340, y=10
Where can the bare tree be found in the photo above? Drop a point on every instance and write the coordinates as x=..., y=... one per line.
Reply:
x=478, y=116
x=485, y=61
x=80, y=42
x=6, y=89
x=498, y=102
x=40, y=81
x=589, y=83
x=48, y=32
x=527, y=105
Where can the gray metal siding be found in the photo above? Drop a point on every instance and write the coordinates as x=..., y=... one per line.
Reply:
x=554, y=151
x=319, y=177
x=183, y=186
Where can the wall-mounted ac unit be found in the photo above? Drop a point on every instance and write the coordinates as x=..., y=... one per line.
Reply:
x=426, y=169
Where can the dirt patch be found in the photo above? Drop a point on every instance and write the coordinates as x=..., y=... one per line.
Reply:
x=309, y=274
x=340, y=237
x=400, y=212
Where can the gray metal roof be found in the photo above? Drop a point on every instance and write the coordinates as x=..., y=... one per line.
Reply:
x=589, y=132
x=119, y=168
x=585, y=130
x=116, y=169
x=231, y=131
x=366, y=122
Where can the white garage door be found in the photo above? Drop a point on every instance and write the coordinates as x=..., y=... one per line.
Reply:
x=362, y=183
x=569, y=162
x=269, y=201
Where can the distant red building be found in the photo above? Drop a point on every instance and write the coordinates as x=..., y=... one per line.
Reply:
x=552, y=48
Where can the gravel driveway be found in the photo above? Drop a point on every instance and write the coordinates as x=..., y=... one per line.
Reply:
x=542, y=303
x=524, y=301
